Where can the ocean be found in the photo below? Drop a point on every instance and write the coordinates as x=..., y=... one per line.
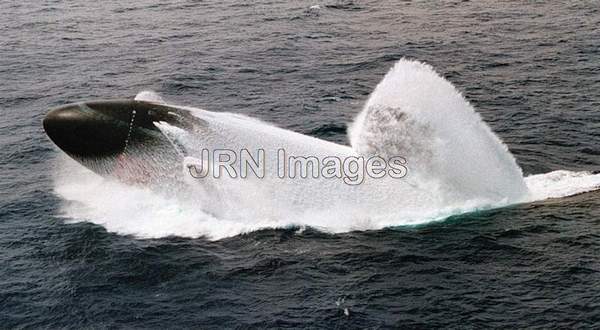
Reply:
x=530, y=69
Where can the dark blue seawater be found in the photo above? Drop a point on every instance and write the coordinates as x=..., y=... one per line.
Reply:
x=532, y=69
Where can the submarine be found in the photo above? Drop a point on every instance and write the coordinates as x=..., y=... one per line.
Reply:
x=117, y=138
x=413, y=113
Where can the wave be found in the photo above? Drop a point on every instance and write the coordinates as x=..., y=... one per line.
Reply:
x=561, y=183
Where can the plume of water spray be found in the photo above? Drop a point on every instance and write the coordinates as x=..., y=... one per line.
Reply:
x=416, y=113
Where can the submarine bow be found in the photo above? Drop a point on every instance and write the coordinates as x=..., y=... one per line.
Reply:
x=102, y=134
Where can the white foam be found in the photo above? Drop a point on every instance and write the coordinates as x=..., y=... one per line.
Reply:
x=561, y=183
x=456, y=165
x=130, y=210
x=149, y=96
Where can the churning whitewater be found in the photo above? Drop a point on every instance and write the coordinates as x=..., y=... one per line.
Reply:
x=455, y=163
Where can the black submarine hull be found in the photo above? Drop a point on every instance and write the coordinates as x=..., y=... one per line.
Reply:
x=116, y=137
